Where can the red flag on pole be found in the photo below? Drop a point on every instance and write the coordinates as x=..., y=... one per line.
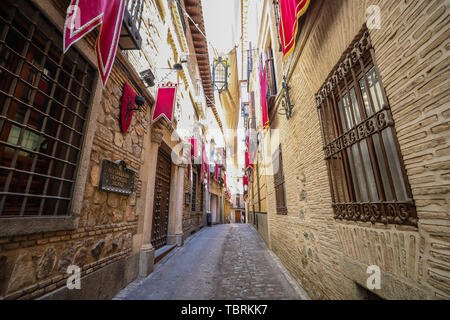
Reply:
x=85, y=15
x=290, y=12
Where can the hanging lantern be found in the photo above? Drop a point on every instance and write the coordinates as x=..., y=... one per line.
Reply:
x=220, y=74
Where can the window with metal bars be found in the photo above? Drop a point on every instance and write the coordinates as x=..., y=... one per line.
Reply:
x=367, y=177
x=279, y=181
x=44, y=100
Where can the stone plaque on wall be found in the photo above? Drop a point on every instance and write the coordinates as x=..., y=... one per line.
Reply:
x=116, y=177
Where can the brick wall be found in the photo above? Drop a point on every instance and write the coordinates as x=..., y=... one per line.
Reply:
x=412, y=52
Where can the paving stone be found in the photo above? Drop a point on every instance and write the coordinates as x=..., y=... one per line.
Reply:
x=229, y=262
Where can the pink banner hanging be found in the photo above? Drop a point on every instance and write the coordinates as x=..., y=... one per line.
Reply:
x=85, y=15
x=165, y=102
x=126, y=115
x=264, y=85
x=196, y=150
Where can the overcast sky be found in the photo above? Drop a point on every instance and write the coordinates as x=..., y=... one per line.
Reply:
x=220, y=22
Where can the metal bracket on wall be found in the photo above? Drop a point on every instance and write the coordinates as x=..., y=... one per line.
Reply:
x=286, y=104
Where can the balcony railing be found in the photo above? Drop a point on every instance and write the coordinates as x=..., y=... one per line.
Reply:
x=130, y=37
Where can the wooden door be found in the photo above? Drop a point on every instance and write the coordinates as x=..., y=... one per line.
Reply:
x=161, y=200
x=237, y=216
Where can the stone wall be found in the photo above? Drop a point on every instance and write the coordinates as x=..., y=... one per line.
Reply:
x=412, y=52
x=33, y=265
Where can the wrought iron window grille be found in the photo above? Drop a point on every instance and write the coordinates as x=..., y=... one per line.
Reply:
x=45, y=97
x=368, y=180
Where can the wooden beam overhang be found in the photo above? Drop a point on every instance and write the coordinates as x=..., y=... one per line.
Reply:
x=194, y=9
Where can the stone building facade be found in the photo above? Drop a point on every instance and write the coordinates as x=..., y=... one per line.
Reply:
x=110, y=236
x=328, y=251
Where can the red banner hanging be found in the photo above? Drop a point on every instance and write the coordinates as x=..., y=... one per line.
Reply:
x=196, y=150
x=290, y=13
x=126, y=115
x=264, y=86
x=165, y=102
x=85, y=15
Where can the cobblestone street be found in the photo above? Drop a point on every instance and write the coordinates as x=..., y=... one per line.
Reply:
x=222, y=262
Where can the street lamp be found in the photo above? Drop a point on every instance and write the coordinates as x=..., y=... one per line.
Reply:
x=220, y=74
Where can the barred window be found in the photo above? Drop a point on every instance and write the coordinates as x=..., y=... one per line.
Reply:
x=367, y=177
x=279, y=182
x=44, y=99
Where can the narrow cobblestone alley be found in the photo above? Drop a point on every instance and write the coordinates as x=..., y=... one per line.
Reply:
x=222, y=262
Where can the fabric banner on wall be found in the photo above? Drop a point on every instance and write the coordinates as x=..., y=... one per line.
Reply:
x=85, y=15
x=126, y=115
x=264, y=86
x=290, y=13
x=196, y=151
x=165, y=102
